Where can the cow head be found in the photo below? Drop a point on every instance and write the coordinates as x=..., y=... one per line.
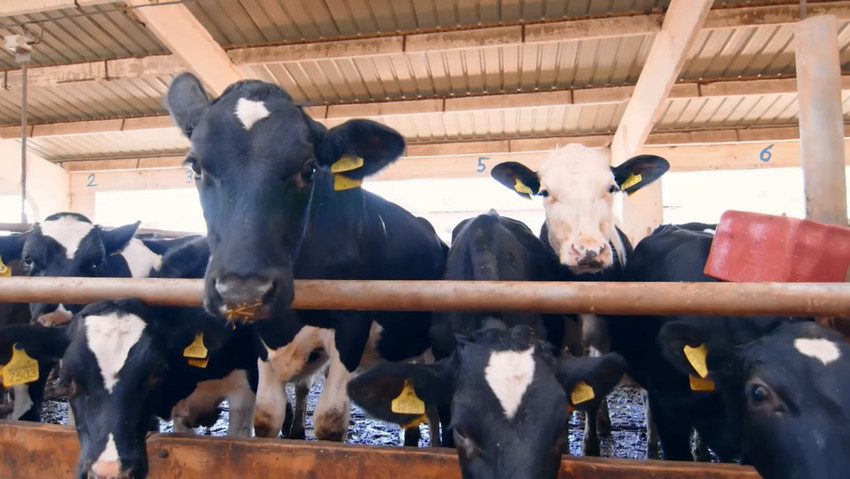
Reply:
x=117, y=360
x=578, y=188
x=786, y=392
x=258, y=159
x=509, y=399
x=66, y=244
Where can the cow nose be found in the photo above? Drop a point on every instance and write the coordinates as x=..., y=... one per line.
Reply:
x=240, y=292
x=106, y=470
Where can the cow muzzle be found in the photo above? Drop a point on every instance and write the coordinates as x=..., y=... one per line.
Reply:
x=55, y=317
x=244, y=299
x=108, y=470
x=587, y=259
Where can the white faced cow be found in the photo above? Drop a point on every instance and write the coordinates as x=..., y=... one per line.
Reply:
x=578, y=187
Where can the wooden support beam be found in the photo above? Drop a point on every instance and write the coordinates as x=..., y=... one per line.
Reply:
x=34, y=451
x=821, y=119
x=176, y=27
x=665, y=60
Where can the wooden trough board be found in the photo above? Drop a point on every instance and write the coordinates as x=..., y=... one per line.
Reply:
x=33, y=450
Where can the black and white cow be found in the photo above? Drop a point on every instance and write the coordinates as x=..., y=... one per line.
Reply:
x=496, y=372
x=578, y=187
x=281, y=199
x=785, y=393
x=68, y=244
x=674, y=254
x=44, y=345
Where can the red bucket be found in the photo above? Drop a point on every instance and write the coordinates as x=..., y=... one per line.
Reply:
x=753, y=247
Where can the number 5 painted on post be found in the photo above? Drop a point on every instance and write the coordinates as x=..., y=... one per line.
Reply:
x=481, y=166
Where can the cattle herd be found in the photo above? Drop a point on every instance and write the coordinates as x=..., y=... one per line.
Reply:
x=282, y=200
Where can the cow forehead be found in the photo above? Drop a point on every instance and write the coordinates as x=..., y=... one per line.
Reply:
x=572, y=166
x=509, y=374
x=67, y=231
x=110, y=337
x=821, y=349
x=249, y=112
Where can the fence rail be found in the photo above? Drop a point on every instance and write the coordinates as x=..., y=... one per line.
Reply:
x=739, y=299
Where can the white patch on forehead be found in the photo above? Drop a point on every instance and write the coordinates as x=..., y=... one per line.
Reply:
x=509, y=373
x=140, y=259
x=250, y=112
x=68, y=232
x=110, y=339
x=821, y=349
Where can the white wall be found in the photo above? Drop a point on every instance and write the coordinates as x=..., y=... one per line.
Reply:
x=48, y=185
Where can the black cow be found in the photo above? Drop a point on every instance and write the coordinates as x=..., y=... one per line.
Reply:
x=785, y=393
x=68, y=244
x=578, y=188
x=673, y=254
x=281, y=199
x=502, y=391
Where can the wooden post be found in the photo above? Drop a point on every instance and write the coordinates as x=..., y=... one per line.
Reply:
x=643, y=212
x=821, y=119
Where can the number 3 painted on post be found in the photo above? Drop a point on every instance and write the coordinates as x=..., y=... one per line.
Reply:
x=481, y=166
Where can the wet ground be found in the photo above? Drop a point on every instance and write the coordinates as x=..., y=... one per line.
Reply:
x=628, y=433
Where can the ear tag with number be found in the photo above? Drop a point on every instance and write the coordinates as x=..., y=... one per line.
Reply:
x=347, y=163
x=520, y=187
x=199, y=363
x=4, y=270
x=582, y=393
x=342, y=182
x=21, y=369
x=196, y=350
x=700, y=384
x=632, y=180
x=407, y=402
x=696, y=356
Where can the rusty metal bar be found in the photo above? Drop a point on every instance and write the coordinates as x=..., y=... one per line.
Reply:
x=744, y=299
x=36, y=451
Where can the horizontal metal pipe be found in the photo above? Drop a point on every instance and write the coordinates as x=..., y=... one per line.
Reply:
x=740, y=299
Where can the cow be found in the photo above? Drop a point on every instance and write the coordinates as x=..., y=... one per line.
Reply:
x=678, y=403
x=491, y=247
x=68, y=244
x=785, y=393
x=282, y=200
x=578, y=188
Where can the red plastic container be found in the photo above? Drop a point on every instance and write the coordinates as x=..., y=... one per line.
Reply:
x=753, y=247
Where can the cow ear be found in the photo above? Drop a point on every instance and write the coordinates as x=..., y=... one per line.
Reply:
x=11, y=247
x=360, y=148
x=588, y=380
x=116, y=239
x=186, y=102
x=39, y=342
x=686, y=346
x=639, y=171
x=378, y=388
x=517, y=177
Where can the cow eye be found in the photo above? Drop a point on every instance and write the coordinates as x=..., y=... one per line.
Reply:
x=28, y=261
x=543, y=193
x=308, y=171
x=759, y=393
x=98, y=263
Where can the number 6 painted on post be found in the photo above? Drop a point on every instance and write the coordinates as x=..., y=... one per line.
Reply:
x=765, y=154
x=481, y=166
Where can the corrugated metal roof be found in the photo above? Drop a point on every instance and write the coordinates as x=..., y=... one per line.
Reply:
x=125, y=144
x=86, y=101
x=81, y=34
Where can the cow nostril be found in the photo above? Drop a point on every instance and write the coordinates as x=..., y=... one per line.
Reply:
x=589, y=254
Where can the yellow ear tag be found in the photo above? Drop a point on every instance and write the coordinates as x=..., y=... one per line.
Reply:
x=199, y=363
x=632, y=180
x=407, y=402
x=21, y=369
x=700, y=384
x=4, y=270
x=696, y=356
x=520, y=187
x=582, y=393
x=345, y=183
x=196, y=350
x=347, y=163
x=419, y=420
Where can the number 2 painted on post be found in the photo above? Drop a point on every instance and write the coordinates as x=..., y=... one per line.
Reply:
x=481, y=166
x=91, y=182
